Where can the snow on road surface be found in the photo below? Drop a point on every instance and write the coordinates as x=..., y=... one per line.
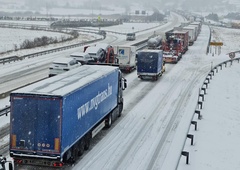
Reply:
x=156, y=115
x=151, y=115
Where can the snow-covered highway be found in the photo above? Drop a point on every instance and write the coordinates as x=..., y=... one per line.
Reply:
x=153, y=111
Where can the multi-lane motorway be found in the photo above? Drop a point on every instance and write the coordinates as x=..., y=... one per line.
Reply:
x=143, y=137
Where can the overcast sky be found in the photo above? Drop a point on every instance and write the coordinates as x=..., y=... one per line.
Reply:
x=192, y=5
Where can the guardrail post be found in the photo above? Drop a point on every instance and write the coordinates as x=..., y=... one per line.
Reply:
x=210, y=75
x=200, y=103
x=208, y=79
x=190, y=136
x=212, y=71
x=220, y=66
x=204, y=90
x=216, y=69
x=185, y=153
x=225, y=64
x=199, y=114
x=206, y=84
x=6, y=110
x=202, y=96
x=195, y=124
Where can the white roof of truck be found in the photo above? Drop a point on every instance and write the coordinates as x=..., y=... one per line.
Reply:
x=78, y=54
x=150, y=50
x=63, y=60
x=67, y=82
x=92, y=49
x=180, y=31
x=104, y=46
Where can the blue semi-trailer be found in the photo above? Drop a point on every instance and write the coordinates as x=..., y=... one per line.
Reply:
x=52, y=121
x=150, y=64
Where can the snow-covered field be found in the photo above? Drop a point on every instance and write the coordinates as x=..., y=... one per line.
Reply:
x=132, y=27
x=217, y=137
x=15, y=37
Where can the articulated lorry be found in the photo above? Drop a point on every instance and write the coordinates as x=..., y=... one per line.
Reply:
x=150, y=64
x=54, y=120
x=126, y=56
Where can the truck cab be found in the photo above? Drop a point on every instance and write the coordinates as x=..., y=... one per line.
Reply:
x=169, y=57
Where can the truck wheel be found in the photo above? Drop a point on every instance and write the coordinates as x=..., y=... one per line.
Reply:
x=75, y=152
x=155, y=78
x=109, y=121
x=120, y=109
x=80, y=147
x=87, y=142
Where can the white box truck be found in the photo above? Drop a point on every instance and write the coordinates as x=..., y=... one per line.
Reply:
x=191, y=34
x=126, y=56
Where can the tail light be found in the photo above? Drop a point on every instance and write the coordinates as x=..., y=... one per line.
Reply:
x=58, y=164
x=18, y=161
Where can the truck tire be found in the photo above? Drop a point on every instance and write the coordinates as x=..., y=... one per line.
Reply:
x=155, y=78
x=75, y=151
x=87, y=142
x=67, y=156
x=109, y=121
x=80, y=147
x=120, y=109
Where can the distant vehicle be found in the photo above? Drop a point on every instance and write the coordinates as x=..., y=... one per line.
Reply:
x=97, y=53
x=102, y=32
x=83, y=58
x=169, y=57
x=154, y=42
x=131, y=36
x=62, y=65
x=176, y=40
x=150, y=64
x=108, y=52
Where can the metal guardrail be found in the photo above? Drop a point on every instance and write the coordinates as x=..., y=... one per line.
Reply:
x=200, y=101
x=16, y=58
x=5, y=111
x=89, y=30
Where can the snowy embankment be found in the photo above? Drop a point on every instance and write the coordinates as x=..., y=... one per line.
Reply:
x=15, y=37
x=215, y=145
